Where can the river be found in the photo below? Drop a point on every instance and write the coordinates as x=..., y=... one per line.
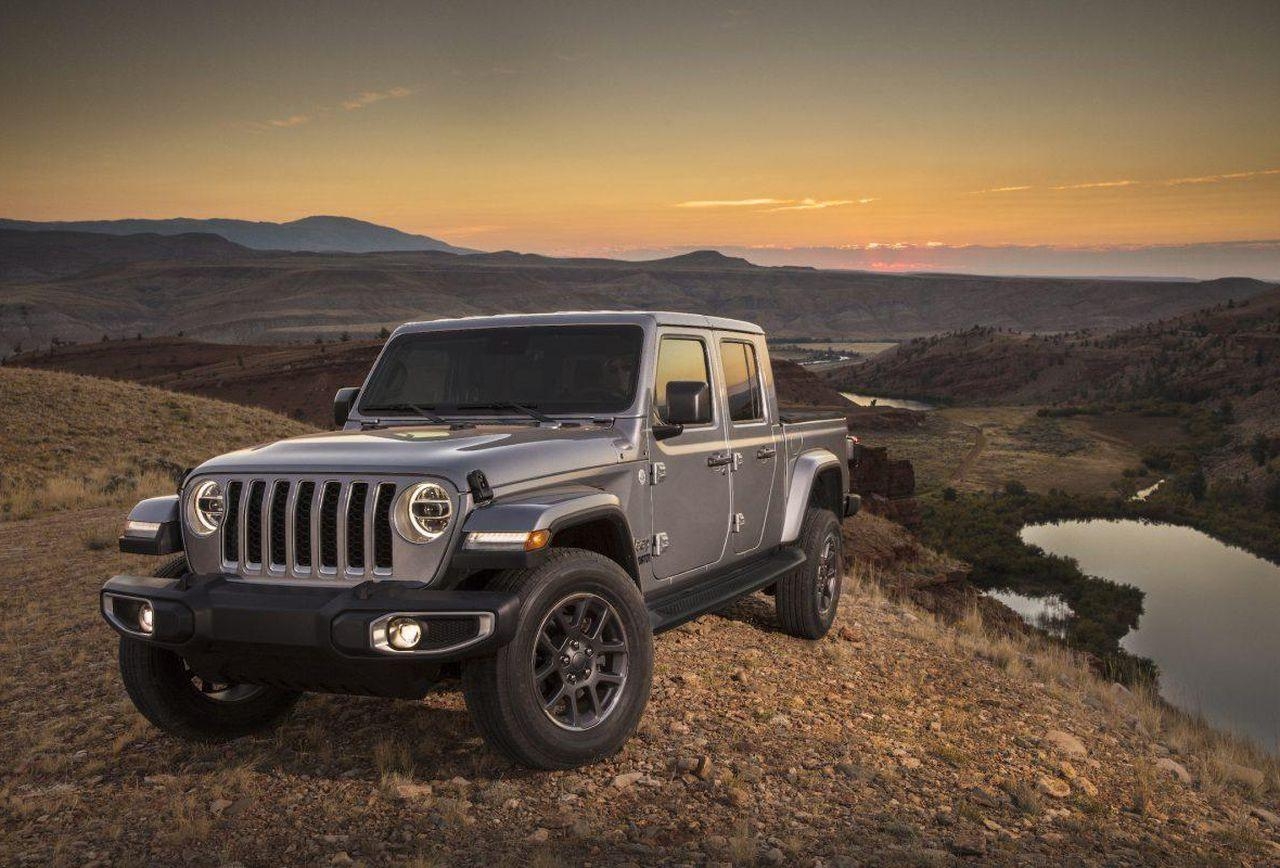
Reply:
x=1211, y=614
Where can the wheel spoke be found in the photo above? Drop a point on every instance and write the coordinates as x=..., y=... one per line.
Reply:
x=598, y=627
x=550, y=704
x=595, y=699
x=545, y=643
x=546, y=669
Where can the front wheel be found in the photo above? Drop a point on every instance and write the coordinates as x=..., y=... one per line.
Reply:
x=807, y=597
x=167, y=693
x=571, y=685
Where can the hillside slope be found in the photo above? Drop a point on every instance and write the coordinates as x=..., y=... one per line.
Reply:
x=70, y=441
x=319, y=234
x=264, y=297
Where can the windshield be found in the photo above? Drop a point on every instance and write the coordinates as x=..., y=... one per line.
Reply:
x=586, y=369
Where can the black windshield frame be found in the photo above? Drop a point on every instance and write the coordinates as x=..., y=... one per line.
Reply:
x=559, y=370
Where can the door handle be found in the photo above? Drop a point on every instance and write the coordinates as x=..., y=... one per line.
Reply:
x=719, y=459
x=766, y=452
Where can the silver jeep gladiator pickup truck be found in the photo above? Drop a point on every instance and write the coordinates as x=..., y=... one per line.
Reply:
x=519, y=501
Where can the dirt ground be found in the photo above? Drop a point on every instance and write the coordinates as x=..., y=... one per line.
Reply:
x=893, y=741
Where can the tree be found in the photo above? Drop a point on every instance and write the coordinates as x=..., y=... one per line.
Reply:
x=1271, y=497
x=344, y=337
x=384, y=333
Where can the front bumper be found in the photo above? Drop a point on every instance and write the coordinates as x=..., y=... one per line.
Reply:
x=310, y=638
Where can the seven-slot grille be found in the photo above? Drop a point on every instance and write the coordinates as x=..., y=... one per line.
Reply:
x=310, y=527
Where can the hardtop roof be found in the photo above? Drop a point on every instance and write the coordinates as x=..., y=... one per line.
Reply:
x=639, y=317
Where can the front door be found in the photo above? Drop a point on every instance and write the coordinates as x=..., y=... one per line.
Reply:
x=691, y=472
x=753, y=443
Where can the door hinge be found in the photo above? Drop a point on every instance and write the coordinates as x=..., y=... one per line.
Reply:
x=657, y=472
x=739, y=520
x=737, y=461
x=661, y=542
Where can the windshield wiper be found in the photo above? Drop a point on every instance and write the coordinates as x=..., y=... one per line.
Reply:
x=419, y=409
x=527, y=410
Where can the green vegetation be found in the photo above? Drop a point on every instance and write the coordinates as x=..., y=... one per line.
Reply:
x=983, y=530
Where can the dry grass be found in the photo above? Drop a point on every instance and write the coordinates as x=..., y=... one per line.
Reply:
x=75, y=442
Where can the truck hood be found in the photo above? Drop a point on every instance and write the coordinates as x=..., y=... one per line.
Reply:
x=505, y=453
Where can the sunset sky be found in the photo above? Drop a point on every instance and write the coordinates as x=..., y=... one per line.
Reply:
x=603, y=127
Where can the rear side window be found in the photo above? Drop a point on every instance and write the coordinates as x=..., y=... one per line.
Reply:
x=679, y=359
x=742, y=381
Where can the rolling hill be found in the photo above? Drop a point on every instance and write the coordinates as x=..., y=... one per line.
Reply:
x=262, y=296
x=320, y=234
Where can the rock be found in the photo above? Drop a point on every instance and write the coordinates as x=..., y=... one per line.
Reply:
x=1068, y=770
x=218, y=806
x=537, y=836
x=341, y=858
x=910, y=762
x=1174, y=768
x=1065, y=743
x=1055, y=787
x=1264, y=815
x=703, y=768
x=409, y=791
x=625, y=780
x=775, y=856
x=1242, y=775
x=742, y=677
x=985, y=798
x=969, y=844
x=1086, y=786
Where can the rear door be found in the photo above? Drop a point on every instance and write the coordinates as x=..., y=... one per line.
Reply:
x=753, y=441
x=691, y=494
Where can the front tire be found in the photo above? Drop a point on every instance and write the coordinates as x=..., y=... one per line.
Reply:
x=570, y=687
x=808, y=596
x=167, y=693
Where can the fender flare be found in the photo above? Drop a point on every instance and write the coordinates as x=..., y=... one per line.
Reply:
x=807, y=467
x=166, y=536
x=551, y=510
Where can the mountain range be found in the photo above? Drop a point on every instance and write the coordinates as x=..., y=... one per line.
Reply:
x=77, y=286
x=320, y=234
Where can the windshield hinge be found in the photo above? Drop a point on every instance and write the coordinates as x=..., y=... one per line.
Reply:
x=657, y=472
x=479, y=485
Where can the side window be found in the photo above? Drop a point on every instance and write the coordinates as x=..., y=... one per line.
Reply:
x=742, y=381
x=679, y=359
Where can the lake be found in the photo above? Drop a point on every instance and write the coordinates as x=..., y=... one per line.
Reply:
x=1211, y=615
x=878, y=401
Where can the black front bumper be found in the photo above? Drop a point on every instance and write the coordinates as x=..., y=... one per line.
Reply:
x=310, y=638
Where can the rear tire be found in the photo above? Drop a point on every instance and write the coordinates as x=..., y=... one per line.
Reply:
x=808, y=596
x=167, y=693
x=570, y=687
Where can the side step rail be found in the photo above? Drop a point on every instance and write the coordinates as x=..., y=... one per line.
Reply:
x=711, y=592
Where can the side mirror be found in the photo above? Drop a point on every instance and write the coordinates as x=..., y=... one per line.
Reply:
x=688, y=403
x=342, y=404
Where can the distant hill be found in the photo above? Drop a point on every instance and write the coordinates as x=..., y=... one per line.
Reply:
x=313, y=234
x=79, y=287
x=1230, y=350
x=41, y=255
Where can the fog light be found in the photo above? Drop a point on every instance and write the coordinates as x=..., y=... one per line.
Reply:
x=146, y=618
x=404, y=633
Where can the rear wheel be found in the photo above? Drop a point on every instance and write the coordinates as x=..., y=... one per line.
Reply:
x=571, y=685
x=808, y=596
x=180, y=702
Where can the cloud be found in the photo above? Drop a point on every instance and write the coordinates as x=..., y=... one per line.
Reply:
x=730, y=203
x=369, y=97
x=807, y=204
x=1093, y=185
x=1217, y=179
x=1000, y=190
x=352, y=103
x=1126, y=182
x=291, y=121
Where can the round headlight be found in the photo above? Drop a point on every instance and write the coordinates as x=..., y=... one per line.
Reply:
x=206, y=508
x=422, y=512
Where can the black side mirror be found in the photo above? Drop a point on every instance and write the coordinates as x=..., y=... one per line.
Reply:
x=688, y=402
x=342, y=404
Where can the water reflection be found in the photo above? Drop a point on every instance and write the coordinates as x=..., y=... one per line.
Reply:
x=1209, y=618
x=1050, y=613
x=877, y=401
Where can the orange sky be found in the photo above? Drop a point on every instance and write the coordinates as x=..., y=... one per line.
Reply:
x=595, y=127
